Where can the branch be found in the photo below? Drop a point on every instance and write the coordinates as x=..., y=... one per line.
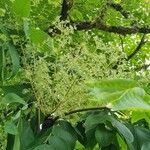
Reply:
x=86, y=109
x=119, y=8
x=66, y=6
x=122, y=30
x=138, y=48
x=88, y=25
x=123, y=12
x=50, y=120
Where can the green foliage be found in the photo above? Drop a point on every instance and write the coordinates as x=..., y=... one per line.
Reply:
x=121, y=94
x=63, y=135
x=12, y=98
x=22, y=9
x=11, y=128
x=103, y=136
x=15, y=59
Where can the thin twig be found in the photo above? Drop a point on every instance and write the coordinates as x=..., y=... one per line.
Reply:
x=122, y=44
x=86, y=109
x=119, y=8
x=54, y=119
x=138, y=48
x=59, y=104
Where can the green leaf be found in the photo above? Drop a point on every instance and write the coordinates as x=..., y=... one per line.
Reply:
x=69, y=128
x=145, y=146
x=136, y=116
x=122, y=129
x=37, y=36
x=17, y=115
x=113, y=85
x=94, y=119
x=65, y=135
x=105, y=97
x=103, y=136
x=15, y=60
x=58, y=143
x=141, y=137
x=21, y=90
x=121, y=142
x=44, y=147
x=131, y=100
x=26, y=134
x=11, y=128
x=12, y=98
x=21, y=8
x=16, y=143
x=90, y=139
x=40, y=138
x=142, y=134
x=121, y=94
x=24, y=137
